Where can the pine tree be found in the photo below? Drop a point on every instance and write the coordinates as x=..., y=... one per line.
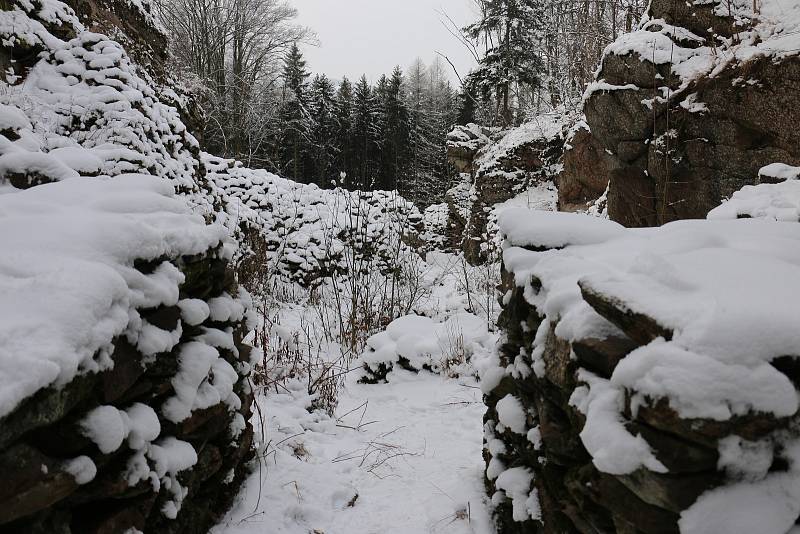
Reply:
x=295, y=118
x=419, y=102
x=443, y=114
x=467, y=108
x=509, y=31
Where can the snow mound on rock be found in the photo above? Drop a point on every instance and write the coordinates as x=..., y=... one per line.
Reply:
x=774, y=202
x=419, y=343
x=68, y=285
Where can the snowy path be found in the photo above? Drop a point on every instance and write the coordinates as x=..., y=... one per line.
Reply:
x=416, y=469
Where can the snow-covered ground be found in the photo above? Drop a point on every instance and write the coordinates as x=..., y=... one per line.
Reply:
x=402, y=457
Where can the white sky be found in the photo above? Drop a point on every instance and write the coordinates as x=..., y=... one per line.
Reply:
x=372, y=36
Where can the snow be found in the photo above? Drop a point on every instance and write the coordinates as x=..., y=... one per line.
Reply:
x=516, y=483
x=470, y=137
x=309, y=230
x=614, y=450
x=81, y=468
x=427, y=344
x=225, y=308
x=413, y=466
x=105, y=427
x=775, y=202
x=143, y=425
x=108, y=427
x=409, y=447
x=533, y=228
x=773, y=31
x=170, y=456
x=768, y=506
x=702, y=281
x=702, y=387
x=544, y=127
x=204, y=379
x=160, y=463
x=777, y=172
x=67, y=283
x=745, y=460
x=194, y=311
x=511, y=414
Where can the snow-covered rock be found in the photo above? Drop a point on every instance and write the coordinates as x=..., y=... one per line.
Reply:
x=418, y=343
x=116, y=269
x=654, y=355
x=306, y=232
x=693, y=103
x=518, y=166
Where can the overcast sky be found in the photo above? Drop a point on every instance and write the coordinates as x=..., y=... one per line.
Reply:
x=371, y=36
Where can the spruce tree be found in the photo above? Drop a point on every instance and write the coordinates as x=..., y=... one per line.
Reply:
x=365, y=142
x=342, y=125
x=322, y=149
x=295, y=118
x=509, y=29
x=396, y=130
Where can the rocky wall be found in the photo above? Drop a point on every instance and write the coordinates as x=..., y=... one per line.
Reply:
x=501, y=166
x=64, y=467
x=603, y=416
x=692, y=104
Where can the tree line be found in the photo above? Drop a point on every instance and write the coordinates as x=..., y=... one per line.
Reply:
x=262, y=105
x=388, y=135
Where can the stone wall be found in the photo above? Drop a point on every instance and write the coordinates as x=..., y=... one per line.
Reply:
x=604, y=416
x=167, y=477
x=573, y=494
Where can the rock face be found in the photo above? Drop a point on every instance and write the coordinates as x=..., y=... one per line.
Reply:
x=693, y=104
x=598, y=418
x=502, y=166
x=464, y=143
x=585, y=174
x=133, y=25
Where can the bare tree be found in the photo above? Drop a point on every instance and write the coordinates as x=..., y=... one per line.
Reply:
x=230, y=52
